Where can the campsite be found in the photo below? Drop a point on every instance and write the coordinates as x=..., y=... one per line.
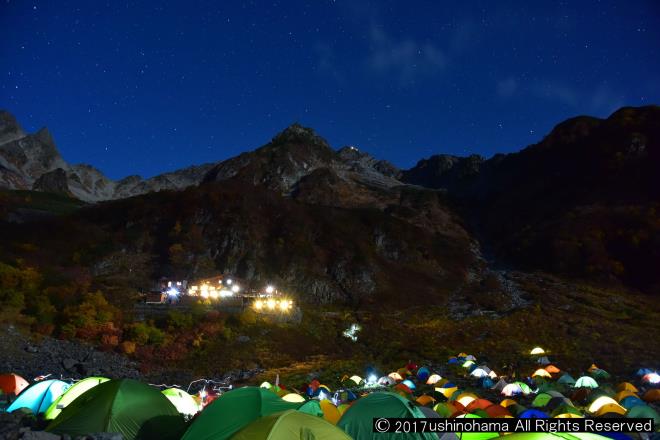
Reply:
x=345, y=409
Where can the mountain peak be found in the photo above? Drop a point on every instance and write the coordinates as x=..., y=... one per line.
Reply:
x=297, y=134
x=10, y=129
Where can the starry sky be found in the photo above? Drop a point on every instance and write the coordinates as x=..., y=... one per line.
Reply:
x=146, y=87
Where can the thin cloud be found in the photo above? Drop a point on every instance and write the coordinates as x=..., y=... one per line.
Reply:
x=405, y=57
x=602, y=100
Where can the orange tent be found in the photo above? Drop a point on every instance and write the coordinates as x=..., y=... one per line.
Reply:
x=425, y=400
x=497, y=411
x=401, y=387
x=552, y=369
x=12, y=383
x=479, y=404
x=652, y=395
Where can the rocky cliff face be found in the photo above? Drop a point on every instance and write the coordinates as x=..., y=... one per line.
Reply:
x=584, y=201
x=32, y=161
x=298, y=153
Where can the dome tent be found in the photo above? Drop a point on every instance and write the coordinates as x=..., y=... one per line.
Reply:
x=290, y=425
x=182, y=401
x=586, y=382
x=39, y=396
x=233, y=411
x=125, y=406
x=357, y=421
x=12, y=384
x=71, y=394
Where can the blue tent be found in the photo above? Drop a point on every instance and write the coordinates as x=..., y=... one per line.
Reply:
x=39, y=396
x=533, y=414
x=409, y=383
x=486, y=382
x=423, y=374
x=630, y=401
x=615, y=435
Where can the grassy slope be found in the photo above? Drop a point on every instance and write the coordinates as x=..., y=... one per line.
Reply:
x=577, y=324
x=38, y=201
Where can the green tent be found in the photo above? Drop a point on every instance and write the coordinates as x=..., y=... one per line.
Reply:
x=600, y=374
x=357, y=421
x=565, y=409
x=290, y=425
x=555, y=436
x=566, y=379
x=312, y=407
x=233, y=411
x=541, y=400
x=644, y=411
x=182, y=401
x=524, y=387
x=71, y=394
x=135, y=410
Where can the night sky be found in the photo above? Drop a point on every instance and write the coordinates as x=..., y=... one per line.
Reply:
x=137, y=89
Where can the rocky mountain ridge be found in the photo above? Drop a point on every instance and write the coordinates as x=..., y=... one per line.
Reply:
x=32, y=162
x=583, y=201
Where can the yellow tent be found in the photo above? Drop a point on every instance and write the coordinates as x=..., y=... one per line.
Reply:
x=447, y=392
x=396, y=376
x=356, y=379
x=433, y=379
x=537, y=350
x=293, y=397
x=611, y=408
x=541, y=373
x=627, y=386
x=508, y=402
x=330, y=412
x=602, y=401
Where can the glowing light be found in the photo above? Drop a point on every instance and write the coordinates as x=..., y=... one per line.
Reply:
x=271, y=304
x=372, y=379
x=597, y=404
x=652, y=378
x=351, y=332
x=258, y=304
x=172, y=292
x=225, y=293
x=270, y=289
x=235, y=288
x=537, y=350
x=229, y=281
x=284, y=305
x=465, y=400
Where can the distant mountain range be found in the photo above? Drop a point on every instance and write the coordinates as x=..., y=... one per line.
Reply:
x=32, y=161
x=340, y=224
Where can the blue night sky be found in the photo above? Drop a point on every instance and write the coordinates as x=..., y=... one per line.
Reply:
x=134, y=88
